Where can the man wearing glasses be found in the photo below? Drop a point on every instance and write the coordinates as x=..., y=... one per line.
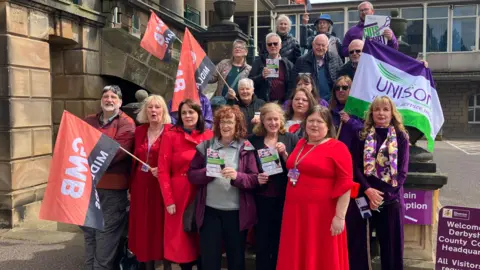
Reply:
x=354, y=53
x=356, y=32
x=272, y=83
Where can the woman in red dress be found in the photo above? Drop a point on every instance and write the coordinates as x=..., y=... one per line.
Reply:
x=318, y=193
x=176, y=152
x=145, y=234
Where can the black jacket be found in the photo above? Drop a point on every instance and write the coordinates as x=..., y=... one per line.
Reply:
x=248, y=110
x=307, y=64
x=290, y=140
x=262, y=86
x=290, y=48
x=347, y=69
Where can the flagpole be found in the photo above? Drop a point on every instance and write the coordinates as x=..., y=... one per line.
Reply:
x=123, y=149
x=339, y=130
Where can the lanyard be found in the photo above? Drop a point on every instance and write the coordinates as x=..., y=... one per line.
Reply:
x=297, y=161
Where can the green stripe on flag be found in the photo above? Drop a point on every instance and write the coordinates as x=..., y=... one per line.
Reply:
x=359, y=107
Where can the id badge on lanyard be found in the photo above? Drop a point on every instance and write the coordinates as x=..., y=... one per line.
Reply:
x=294, y=174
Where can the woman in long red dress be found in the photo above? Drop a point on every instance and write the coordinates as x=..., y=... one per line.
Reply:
x=145, y=234
x=320, y=181
x=176, y=152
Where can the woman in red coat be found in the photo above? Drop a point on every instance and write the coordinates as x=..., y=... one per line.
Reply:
x=321, y=178
x=176, y=153
x=145, y=234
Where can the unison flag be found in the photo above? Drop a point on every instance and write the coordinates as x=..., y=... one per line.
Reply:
x=308, y=5
x=384, y=71
x=158, y=39
x=81, y=156
x=195, y=69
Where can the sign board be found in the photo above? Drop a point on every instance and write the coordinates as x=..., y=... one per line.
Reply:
x=418, y=206
x=374, y=27
x=458, y=239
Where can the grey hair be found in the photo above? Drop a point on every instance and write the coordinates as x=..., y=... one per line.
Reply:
x=114, y=88
x=241, y=42
x=283, y=17
x=365, y=2
x=142, y=117
x=247, y=82
x=272, y=34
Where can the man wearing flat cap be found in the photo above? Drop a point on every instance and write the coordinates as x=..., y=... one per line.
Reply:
x=101, y=245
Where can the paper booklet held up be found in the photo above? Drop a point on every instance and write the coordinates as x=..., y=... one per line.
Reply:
x=270, y=161
x=215, y=163
x=273, y=65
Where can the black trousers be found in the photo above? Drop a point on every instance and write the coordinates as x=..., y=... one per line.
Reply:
x=101, y=247
x=267, y=231
x=221, y=225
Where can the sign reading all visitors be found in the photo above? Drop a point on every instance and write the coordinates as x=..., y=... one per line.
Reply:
x=458, y=239
x=418, y=206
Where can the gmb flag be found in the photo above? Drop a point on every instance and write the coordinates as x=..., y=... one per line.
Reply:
x=383, y=71
x=195, y=69
x=158, y=39
x=81, y=156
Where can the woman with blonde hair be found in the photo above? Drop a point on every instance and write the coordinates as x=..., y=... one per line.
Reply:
x=351, y=125
x=270, y=135
x=146, y=219
x=381, y=166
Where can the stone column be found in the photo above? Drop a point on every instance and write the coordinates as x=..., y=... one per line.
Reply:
x=176, y=6
x=200, y=6
x=25, y=113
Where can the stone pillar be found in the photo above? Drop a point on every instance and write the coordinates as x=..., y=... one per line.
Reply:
x=25, y=113
x=200, y=6
x=76, y=84
x=176, y=6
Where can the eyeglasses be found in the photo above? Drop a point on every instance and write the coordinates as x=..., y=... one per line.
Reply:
x=363, y=10
x=239, y=48
x=355, y=51
x=270, y=44
x=227, y=123
x=341, y=87
x=304, y=73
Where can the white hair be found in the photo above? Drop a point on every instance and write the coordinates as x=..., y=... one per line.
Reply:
x=246, y=82
x=272, y=34
x=365, y=2
x=283, y=17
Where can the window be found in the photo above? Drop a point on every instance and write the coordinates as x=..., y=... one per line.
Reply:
x=437, y=27
x=293, y=19
x=263, y=29
x=136, y=26
x=464, y=28
x=77, y=2
x=474, y=109
x=414, y=32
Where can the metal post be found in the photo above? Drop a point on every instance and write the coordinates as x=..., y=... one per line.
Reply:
x=255, y=25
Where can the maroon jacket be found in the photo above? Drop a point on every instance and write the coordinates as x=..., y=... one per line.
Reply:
x=246, y=182
x=122, y=130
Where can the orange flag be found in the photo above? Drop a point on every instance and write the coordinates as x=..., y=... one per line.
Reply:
x=195, y=69
x=158, y=39
x=80, y=158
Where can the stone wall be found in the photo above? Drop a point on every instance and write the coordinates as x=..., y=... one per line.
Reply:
x=25, y=112
x=454, y=99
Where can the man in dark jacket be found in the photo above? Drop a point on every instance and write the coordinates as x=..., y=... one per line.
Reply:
x=354, y=51
x=290, y=46
x=248, y=102
x=101, y=246
x=322, y=65
x=267, y=87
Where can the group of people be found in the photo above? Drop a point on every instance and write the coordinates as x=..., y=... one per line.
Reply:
x=341, y=177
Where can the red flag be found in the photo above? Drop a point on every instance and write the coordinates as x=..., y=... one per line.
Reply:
x=195, y=69
x=81, y=156
x=158, y=39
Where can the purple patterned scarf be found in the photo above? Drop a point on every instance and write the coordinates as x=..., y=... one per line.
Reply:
x=384, y=167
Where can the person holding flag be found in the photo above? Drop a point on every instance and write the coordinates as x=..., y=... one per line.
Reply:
x=101, y=245
x=381, y=166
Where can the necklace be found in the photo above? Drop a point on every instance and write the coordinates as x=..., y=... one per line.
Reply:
x=153, y=135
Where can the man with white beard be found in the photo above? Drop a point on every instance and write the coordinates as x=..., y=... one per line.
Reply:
x=101, y=246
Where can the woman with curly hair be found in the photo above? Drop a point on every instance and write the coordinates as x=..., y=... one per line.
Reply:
x=225, y=204
x=381, y=165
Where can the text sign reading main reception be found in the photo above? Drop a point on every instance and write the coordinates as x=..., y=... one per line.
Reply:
x=458, y=239
x=418, y=206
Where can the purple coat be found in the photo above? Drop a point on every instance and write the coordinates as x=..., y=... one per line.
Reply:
x=246, y=182
x=356, y=32
x=350, y=130
x=366, y=182
x=206, y=110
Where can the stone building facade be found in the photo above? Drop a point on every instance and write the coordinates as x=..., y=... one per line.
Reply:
x=57, y=55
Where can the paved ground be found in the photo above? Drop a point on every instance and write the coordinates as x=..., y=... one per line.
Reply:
x=46, y=249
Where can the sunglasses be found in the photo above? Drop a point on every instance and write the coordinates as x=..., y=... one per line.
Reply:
x=270, y=44
x=341, y=87
x=355, y=51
